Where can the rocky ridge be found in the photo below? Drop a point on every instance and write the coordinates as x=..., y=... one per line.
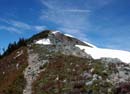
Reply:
x=59, y=67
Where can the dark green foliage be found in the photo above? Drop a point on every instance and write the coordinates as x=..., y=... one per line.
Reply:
x=0, y=55
x=13, y=46
x=43, y=34
x=22, y=42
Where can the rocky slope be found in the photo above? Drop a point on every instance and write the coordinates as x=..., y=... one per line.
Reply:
x=51, y=63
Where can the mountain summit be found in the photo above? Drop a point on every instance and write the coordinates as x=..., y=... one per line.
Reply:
x=55, y=63
x=56, y=37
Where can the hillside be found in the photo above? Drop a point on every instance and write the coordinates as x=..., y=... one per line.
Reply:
x=55, y=63
x=11, y=72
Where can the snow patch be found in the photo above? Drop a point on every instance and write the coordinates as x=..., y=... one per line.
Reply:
x=44, y=41
x=90, y=44
x=69, y=35
x=54, y=32
x=83, y=41
x=98, y=53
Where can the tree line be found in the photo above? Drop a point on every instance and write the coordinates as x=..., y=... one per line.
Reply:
x=13, y=46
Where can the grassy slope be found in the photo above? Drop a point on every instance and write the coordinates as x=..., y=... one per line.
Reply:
x=11, y=78
x=64, y=74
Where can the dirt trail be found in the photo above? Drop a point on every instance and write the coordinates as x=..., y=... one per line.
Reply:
x=32, y=71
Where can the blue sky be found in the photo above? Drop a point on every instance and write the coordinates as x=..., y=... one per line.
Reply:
x=105, y=23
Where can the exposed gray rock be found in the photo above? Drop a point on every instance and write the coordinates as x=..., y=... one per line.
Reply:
x=32, y=71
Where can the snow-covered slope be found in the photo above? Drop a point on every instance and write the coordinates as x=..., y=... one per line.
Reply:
x=92, y=50
x=44, y=41
x=98, y=53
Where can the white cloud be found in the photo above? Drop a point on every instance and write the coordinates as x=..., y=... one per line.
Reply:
x=48, y=5
x=71, y=13
x=39, y=28
x=75, y=4
x=73, y=17
x=74, y=20
x=68, y=16
x=62, y=6
x=10, y=29
x=76, y=10
x=75, y=32
x=19, y=26
x=16, y=24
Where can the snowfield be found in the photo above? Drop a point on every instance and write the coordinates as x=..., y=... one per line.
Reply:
x=98, y=53
x=44, y=41
x=94, y=51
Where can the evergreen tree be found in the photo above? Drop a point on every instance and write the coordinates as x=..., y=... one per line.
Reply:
x=13, y=46
x=0, y=56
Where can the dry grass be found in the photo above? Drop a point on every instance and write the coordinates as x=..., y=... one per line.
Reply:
x=58, y=70
x=9, y=73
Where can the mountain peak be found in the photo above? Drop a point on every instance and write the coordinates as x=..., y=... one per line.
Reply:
x=53, y=62
x=55, y=37
x=49, y=37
